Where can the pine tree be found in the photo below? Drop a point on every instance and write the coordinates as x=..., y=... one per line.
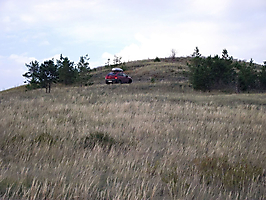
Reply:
x=196, y=53
x=83, y=70
x=262, y=76
x=33, y=74
x=211, y=72
x=66, y=70
x=247, y=76
x=199, y=72
x=48, y=74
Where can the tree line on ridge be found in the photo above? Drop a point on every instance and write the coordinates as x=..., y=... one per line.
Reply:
x=222, y=73
x=205, y=73
x=60, y=71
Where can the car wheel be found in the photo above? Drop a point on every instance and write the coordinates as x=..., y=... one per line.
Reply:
x=130, y=81
x=120, y=81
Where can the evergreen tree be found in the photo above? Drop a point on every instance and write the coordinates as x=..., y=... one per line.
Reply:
x=33, y=74
x=199, y=72
x=48, y=74
x=247, y=76
x=196, y=53
x=262, y=76
x=66, y=70
x=225, y=55
x=211, y=72
x=83, y=70
x=222, y=71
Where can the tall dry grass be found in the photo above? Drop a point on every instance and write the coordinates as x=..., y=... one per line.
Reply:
x=139, y=141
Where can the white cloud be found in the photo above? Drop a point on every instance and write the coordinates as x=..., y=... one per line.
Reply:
x=150, y=47
x=104, y=59
x=17, y=15
x=12, y=67
x=21, y=59
x=81, y=33
x=107, y=56
x=184, y=37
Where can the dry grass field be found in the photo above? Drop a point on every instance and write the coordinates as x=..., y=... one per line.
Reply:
x=141, y=141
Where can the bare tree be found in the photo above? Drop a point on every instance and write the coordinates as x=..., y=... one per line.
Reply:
x=173, y=54
x=117, y=60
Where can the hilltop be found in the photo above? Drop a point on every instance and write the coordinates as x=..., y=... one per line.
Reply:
x=167, y=70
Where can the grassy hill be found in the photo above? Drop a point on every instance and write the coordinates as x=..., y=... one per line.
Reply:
x=168, y=70
x=145, y=140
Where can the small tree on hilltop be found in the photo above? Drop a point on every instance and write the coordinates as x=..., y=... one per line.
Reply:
x=117, y=60
x=157, y=59
x=197, y=59
x=196, y=53
x=173, y=54
x=225, y=55
x=108, y=62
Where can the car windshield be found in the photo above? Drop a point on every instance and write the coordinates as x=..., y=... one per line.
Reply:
x=110, y=74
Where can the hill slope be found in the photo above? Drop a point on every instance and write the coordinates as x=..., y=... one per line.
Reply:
x=139, y=141
x=167, y=70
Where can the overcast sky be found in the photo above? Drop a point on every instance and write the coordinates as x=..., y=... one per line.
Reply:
x=133, y=29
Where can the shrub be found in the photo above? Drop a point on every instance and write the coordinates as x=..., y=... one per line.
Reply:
x=123, y=66
x=157, y=59
x=45, y=138
x=98, y=138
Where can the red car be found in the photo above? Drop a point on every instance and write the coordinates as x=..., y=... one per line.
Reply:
x=117, y=76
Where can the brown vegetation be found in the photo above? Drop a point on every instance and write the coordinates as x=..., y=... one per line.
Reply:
x=146, y=140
